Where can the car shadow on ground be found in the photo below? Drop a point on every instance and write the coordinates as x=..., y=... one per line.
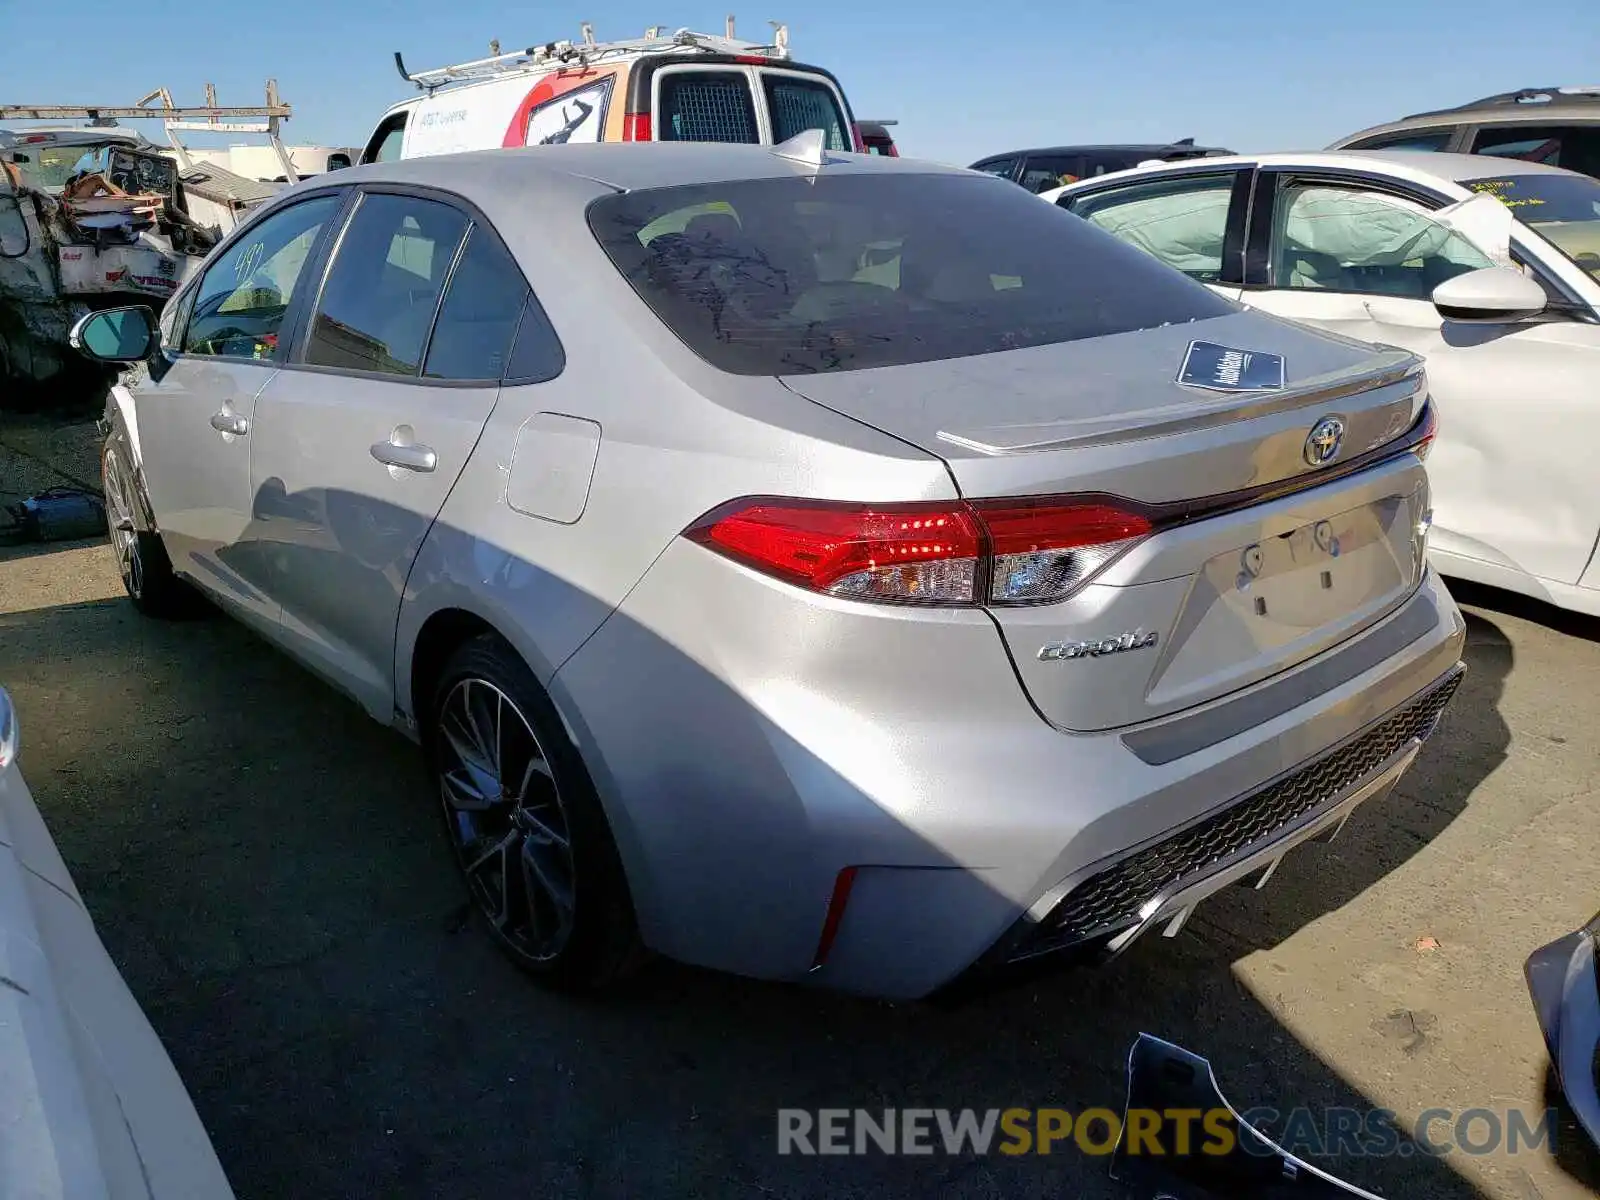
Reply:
x=1512, y=604
x=265, y=865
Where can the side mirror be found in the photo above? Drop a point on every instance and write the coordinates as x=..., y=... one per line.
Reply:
x=116, y=335
x=1492, y=295
x=338, y=162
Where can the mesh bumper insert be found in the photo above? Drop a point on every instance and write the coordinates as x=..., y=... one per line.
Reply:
x=1109, y=900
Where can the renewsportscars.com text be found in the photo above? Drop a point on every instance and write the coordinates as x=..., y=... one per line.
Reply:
x=1304, y=1132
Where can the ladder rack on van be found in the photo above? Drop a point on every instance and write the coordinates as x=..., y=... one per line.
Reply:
x=588, y=52
x=203, y=118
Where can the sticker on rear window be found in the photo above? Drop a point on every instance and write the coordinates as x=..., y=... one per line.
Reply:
x=1225, y=369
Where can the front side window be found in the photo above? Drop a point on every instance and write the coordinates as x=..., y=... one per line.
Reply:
x=240, y=302
x=834, y=273
x=1181, y=222
x=796, y=104
x=1348, y=240
x=1564, y=209
x=577, y=116
x=706, y=106
x=382, y=291
x=1575, y=147
x=387, y=142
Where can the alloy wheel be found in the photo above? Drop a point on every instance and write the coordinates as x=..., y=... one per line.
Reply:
x=506, y=819
x=119, y=520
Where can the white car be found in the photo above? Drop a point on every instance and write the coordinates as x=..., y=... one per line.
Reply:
x=1489, y=268
x=92, y=1104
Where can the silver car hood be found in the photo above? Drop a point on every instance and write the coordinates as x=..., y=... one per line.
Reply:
x=1093, y=390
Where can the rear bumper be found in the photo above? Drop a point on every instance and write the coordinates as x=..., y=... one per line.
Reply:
x=1565, y=987
x=750, y=747
x=1112, y=903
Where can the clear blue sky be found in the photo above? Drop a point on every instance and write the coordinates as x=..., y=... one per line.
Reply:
x=963, y=80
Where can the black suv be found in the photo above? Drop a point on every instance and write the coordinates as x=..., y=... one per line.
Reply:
x=1041, y=170
x=1557, y=126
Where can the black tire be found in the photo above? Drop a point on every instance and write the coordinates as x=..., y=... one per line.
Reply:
x=141, y=557
x=525, y=824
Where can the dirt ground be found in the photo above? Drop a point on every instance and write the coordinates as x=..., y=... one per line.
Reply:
x=265, y=867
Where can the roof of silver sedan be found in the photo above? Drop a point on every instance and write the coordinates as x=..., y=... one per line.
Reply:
x=627, y=166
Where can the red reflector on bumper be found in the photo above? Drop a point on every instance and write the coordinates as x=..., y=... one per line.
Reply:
x=830, y=923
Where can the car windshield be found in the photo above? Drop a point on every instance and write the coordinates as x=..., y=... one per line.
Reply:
x=1564, y=208
x=830, y=273
x=49, y=167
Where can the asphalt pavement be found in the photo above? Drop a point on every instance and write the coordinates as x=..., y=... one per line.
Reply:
x=266, y=866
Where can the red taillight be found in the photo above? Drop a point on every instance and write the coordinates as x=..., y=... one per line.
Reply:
x=35, y=139
x=1043, y=549
x=757, y=60
x=915, y=552
x=835, y=914
x=856, y=137
x=1026, y=551
x=1429, y=431
x=636, y=127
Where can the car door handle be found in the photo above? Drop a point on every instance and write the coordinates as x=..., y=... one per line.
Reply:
x=228, y=421
x=407, y=458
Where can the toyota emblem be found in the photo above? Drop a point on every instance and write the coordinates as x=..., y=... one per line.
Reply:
x=1324, y=440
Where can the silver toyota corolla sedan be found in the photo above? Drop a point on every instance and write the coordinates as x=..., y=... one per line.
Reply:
x=807, y=565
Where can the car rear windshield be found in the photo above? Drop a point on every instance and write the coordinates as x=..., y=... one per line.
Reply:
x=854, y=270
x=1565, y=209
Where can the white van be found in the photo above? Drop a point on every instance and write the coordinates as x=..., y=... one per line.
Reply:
x=689, y=87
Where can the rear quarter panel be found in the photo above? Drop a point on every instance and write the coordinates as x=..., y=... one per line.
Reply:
x=675, y=439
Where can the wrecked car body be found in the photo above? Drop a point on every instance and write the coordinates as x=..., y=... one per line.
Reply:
x=97, y=216
x=88, y=218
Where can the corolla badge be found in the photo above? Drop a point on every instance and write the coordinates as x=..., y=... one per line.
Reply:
x=1056, y=651
x=1324, y=440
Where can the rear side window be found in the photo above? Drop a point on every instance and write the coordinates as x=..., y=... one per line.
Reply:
x=378, y=303
x=1044, y=172
x=1183, y=222
x=1003, y=167
x=796, y=105
x=706, y=106
x=1105, y=164
x=797, y=275
x=1575, y=147
x=1434, y=141
x=478, y=319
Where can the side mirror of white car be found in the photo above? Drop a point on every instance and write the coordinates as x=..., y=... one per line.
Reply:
x=1492, y=295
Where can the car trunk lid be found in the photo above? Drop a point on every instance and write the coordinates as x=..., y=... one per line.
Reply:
x=1258, y=560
